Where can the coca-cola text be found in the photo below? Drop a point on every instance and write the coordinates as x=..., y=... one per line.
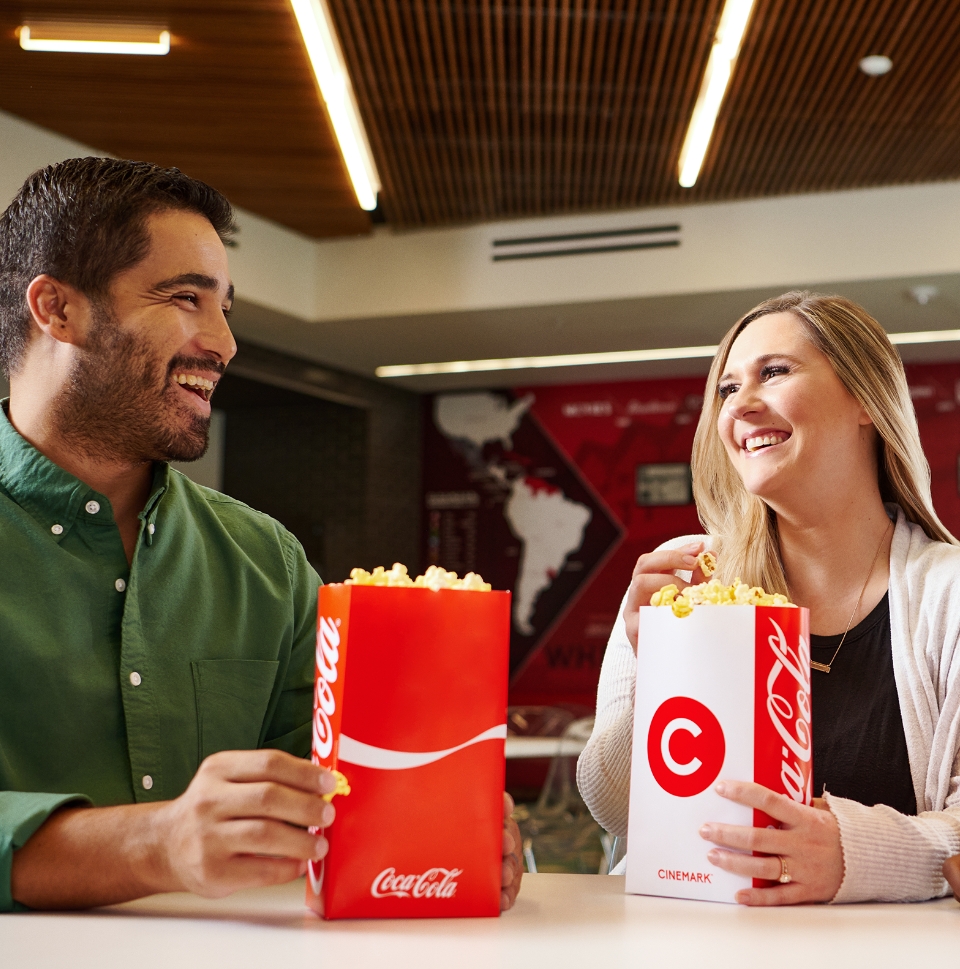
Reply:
x=795, y=773
x=433, y=883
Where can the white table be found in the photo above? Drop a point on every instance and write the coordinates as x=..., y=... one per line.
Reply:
x=518, y=748
x=576, y=921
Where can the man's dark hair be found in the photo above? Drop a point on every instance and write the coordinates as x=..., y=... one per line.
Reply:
x=83, y=221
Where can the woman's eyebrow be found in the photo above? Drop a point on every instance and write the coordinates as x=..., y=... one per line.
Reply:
x=761, y=360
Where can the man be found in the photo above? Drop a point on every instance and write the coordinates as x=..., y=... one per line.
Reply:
x=156, y=638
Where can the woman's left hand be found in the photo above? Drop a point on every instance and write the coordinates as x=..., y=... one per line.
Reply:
x=808, y=842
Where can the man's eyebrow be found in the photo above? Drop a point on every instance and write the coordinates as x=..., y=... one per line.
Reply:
x=193, y=279
x=766, y=358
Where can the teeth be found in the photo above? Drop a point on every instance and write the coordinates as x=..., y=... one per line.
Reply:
x=191, y=380
x=755, y=443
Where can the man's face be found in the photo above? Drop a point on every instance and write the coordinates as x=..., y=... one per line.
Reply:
x=156, y=348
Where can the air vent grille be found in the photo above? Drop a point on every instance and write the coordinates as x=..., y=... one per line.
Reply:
x=586, y=243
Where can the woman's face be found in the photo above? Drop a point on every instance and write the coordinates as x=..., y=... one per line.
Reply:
x=789, y=426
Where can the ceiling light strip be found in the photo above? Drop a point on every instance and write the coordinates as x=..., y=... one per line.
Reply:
x=535, y=363
x=65, y=45
x=925, y=336
x=330, y=69
x=615, y=356
x=726, y=46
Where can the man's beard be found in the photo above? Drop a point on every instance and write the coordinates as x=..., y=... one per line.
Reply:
x=120, y=403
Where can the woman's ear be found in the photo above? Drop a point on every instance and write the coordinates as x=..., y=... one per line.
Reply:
x=58, y=309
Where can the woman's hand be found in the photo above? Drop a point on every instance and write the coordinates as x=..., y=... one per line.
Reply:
x=651, y=573
x=808, y=842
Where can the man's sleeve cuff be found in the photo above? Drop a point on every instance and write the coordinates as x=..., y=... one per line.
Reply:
x=21, y=814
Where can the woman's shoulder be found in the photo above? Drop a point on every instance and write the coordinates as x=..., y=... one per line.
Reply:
x=682, y=540
x=920, y=552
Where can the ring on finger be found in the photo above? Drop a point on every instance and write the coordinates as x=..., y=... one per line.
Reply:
x=785, y=877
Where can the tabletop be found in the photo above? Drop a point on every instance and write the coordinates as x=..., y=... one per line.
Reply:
x=581, y=921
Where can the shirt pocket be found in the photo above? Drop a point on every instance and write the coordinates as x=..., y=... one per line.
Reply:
x=232, y=698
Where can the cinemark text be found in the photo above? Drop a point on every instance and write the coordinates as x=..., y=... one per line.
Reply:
x=685, y=876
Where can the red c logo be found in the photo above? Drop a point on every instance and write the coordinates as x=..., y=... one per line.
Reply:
x=685, y=746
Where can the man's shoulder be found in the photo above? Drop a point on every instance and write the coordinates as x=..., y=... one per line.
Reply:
x=244, y=524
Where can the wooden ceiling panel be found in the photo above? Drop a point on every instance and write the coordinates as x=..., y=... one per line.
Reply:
x=234, y=103
x=492, y=109
x=500, y=108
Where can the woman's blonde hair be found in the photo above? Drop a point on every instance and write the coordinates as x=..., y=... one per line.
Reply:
x=744, y=528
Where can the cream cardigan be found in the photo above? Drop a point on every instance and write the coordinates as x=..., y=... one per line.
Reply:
x=887, y=855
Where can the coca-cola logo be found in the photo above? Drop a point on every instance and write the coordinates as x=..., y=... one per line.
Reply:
x=433, y=883
x=791, y=720
x=685, y=746
x=324, y=702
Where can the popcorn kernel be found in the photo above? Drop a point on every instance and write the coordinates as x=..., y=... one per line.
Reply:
x=708, y=563
x=343, y=787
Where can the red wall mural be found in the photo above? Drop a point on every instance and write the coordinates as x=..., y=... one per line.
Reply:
x=555, y=491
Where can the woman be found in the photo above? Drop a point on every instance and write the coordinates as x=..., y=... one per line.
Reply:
x=810, y=479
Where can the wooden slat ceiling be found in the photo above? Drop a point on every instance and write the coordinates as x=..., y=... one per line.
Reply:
x=234, y=102
x=483, y=110
x=489, y=109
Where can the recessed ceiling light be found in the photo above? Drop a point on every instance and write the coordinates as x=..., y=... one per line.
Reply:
x=333, y=79
x=726, y=46
x=94, y=38
x=876, y=64
x=923, y=294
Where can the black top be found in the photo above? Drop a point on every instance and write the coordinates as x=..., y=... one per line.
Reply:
x=859, y=748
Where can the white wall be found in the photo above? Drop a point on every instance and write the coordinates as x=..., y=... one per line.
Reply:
x=777, y=242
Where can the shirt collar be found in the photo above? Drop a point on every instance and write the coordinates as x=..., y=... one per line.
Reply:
x=50, y=494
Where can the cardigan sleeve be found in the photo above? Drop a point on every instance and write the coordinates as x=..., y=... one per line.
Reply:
x=890, y=857
x=603, y=770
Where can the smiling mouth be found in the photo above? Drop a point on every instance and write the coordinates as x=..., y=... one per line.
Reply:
x=203, y=387
x=760, y=441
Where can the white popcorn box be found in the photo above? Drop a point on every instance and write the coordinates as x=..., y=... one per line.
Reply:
x=723, y=693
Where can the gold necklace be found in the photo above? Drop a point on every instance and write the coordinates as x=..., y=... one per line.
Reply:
x=825, y=667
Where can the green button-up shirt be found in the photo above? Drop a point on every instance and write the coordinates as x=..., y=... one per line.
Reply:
x=117, y=680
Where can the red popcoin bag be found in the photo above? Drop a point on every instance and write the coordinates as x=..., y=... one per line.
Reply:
x=410, y=705
x=723, y=693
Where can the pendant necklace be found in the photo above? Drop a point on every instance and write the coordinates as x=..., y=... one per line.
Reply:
x=825, y=667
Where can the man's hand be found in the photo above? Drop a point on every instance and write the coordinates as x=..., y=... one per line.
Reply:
x=512, y=870
x=242, y=822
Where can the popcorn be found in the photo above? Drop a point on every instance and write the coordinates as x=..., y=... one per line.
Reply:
x=713, y=593
x=434, y=578
x=343, y=787
x=708, y=563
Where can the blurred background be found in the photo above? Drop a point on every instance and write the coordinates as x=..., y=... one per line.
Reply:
x=486, y=249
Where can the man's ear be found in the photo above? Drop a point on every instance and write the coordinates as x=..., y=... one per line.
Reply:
x=61, y=311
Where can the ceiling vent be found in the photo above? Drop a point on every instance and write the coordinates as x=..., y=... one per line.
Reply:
x=587, y=243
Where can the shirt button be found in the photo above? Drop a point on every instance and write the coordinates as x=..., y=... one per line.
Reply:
x=147, y=782
x=93, y=507
x=151, y=528
x=120, y=585
x=56, y=529
x=135, y=678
